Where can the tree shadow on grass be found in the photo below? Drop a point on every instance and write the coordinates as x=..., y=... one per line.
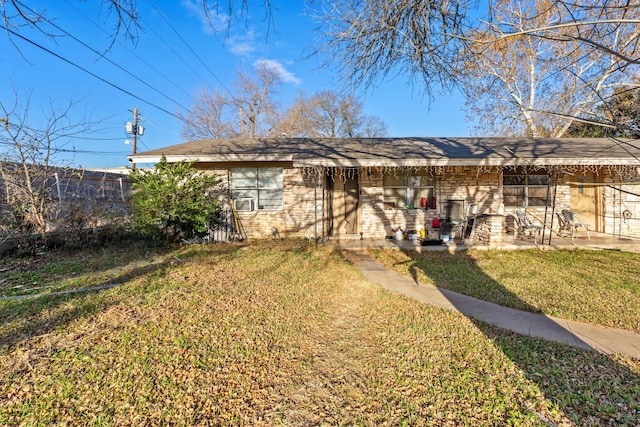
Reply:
x=589, y=387
x=24, y=319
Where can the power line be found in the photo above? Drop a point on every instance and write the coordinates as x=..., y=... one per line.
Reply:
x=159, y=37
x=67, y=150
x=89, y=72
x=141, y=141
x=188, y=46
x=138, y=58
x=112, y=62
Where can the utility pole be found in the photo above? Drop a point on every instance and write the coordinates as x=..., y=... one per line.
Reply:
x=135, y=130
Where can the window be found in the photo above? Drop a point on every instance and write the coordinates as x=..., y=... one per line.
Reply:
x=257, y=188
x=524, y=188
x=408, y=190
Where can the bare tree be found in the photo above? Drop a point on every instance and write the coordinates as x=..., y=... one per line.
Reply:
x=249, y=112
x=27, y=157
x=209, y=117
x=296, y=121
x=435, y=43
x=537, y=86
x=255, y=100
x=616, y=116
x=122, y=14
x=373, y=127
x=343, y=116
x=329, y=114
x=590, y=23
x=373, y=39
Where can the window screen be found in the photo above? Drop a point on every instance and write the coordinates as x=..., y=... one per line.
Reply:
x=262, y=185
x=408, y=189
x=523, y=188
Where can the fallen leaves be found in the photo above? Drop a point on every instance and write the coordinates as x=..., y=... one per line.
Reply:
x=279, y=333
x=599, y=287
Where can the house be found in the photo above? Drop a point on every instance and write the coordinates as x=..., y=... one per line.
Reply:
x=368, y=187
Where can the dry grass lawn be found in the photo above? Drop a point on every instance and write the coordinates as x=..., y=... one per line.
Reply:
x=276, y=333
x=599, y=287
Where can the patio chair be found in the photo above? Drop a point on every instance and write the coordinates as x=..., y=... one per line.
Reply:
x=573, y=222
x=563, y=226
x=525, y=224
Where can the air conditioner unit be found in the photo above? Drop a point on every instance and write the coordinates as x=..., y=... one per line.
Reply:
x=243, y=205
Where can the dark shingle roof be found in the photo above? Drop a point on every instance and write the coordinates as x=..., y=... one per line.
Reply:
x=404, y=151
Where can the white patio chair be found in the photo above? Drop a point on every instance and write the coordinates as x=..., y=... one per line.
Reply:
x=525, y=224
x=573, y=222
x=563, y=226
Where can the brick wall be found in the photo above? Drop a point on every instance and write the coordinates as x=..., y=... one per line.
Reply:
x=617, y=193
x=483, y=190
x=620, y=196
x=303, y=205
x=297, y=217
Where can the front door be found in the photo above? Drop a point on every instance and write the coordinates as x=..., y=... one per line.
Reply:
x=344, y=199
x=586, y=200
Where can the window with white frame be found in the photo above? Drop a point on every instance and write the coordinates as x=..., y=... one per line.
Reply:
x=523, y=187
x=257, y=188
x=408, y=189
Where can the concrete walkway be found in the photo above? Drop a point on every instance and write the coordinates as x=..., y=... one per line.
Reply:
x=605, y=340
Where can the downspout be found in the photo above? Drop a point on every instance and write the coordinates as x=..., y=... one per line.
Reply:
x=553, y=206
x=324, y=202
x=546, y=206
x=315, y=206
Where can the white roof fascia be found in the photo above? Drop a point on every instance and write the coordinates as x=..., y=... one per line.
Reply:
x=462, y=162
x=211, y=158
x=518, y=161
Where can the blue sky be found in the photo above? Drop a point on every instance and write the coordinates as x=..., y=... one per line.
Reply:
x=177, y=54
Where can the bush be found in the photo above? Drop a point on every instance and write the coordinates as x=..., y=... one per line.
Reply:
x=173, y=201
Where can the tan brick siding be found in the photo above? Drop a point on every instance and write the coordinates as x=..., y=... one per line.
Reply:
x=303, y=198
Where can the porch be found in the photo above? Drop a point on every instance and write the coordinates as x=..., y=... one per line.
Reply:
x=598, y=241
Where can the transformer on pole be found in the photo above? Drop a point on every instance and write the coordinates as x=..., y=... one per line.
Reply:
x=135, y=130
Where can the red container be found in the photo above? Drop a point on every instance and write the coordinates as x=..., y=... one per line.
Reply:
x=423, y=203
x=435, y=222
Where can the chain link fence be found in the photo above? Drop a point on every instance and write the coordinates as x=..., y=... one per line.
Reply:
x=60, y=203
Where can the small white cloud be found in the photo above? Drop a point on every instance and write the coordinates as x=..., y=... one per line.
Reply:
x=285, y=75
x=242, y=45
x=212, y=21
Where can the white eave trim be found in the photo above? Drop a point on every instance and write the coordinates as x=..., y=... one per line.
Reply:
x=351, y=163
x=172, y=158
x=346, y=163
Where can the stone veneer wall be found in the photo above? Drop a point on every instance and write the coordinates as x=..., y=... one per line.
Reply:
x=621, y=194
x=376, y=222
x=297, y=217
x=489, y=230
x=483, y=189
x=303, y=194
x=618, y=192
